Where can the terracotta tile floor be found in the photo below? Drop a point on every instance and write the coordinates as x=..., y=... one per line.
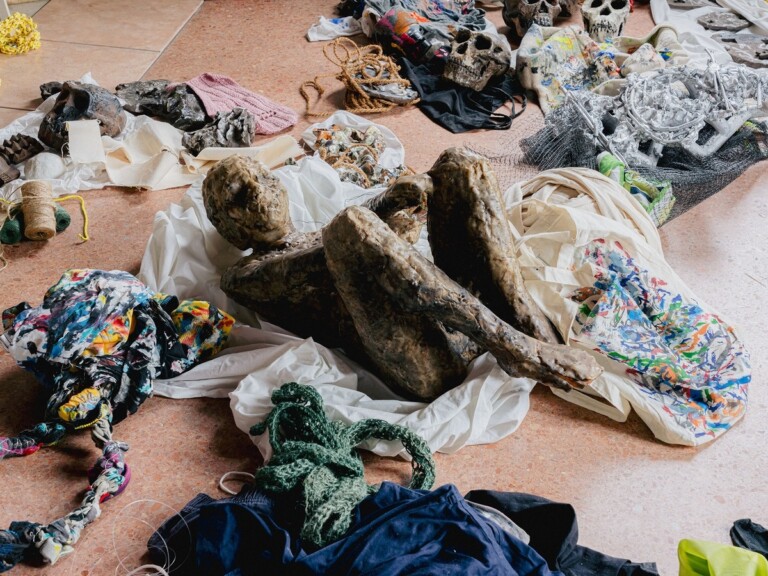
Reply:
x=635, y=497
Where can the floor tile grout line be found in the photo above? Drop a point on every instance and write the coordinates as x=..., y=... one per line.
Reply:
x=103, y=46
x=157, y=53
x=178, y=32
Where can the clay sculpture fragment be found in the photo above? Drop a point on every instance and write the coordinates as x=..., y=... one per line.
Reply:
x=48, y=89
x=15, y=150
x=20, y=148
x=748, y=49
x=520, y=14
x=729, y=21
x=79, y=101
x=359, y=284
x=233, y=129
x=8, y=172
x=178, y=104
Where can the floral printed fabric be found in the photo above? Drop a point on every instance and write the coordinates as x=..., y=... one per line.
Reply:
x=99, y=339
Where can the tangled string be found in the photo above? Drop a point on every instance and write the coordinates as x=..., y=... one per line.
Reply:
x=18, y=34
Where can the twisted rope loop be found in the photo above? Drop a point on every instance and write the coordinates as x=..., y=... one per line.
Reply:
x=318, y=456
x=360, y=66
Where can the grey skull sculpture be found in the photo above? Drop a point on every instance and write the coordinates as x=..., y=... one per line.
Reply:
x=476, y=57
x=604, y=19
x=360, y=284
x=79, y=101
x=520, y=14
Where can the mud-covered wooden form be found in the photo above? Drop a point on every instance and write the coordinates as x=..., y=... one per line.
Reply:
x=360, y=284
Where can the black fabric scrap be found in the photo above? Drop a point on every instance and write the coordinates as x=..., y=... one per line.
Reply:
x=460, y=109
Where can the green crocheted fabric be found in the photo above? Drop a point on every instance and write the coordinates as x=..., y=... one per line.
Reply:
x=318, y=457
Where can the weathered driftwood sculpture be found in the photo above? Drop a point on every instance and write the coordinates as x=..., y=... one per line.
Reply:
x=360, y=284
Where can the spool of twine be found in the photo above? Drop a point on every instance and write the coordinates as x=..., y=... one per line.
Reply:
x=39, y=210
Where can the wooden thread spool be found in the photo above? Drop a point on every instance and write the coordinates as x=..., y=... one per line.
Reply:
x=39, y=210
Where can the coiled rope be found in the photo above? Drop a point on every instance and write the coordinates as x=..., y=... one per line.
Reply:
x=360, y=66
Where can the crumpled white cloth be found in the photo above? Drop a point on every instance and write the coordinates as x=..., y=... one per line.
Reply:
x=185, y=256
x=147, y=154
x=592, y=259
x=330, y=28
x=488, y=406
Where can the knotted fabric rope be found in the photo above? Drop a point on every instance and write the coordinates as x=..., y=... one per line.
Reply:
x=360, y=66
x=31, y=440
x=108, y=477
x=318, y=457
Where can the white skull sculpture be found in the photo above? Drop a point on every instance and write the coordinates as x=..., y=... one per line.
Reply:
x=604, y=19
x=520, y=14
x=476, y=57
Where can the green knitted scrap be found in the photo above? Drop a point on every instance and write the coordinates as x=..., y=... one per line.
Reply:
x=318, y=457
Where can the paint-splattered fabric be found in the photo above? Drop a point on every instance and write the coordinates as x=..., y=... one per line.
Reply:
x=593, y=261
x=96, y=343
x=99, y=339
x=552, y=61
x=680, y=354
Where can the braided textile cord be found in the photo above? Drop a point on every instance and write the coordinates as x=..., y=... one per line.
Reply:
x=360, y=66
x=318, y=457
x=108, y=477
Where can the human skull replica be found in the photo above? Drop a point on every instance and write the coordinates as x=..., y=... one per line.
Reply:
x=604, y=19
x=476, y=57
x=78, y=101
x=520, y=14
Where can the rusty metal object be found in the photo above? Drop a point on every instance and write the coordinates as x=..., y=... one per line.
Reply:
x=20, y=148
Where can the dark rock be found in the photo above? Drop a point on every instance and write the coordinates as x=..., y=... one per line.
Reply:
x=79, y=101
x=178, y=105
x=234, y=129
x=49, y=89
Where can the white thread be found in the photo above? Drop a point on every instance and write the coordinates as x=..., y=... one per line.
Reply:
x=170, y=560
x=245, y=476
x=140, y=570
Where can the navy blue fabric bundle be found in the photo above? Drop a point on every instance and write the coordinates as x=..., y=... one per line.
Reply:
x=396, y=531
